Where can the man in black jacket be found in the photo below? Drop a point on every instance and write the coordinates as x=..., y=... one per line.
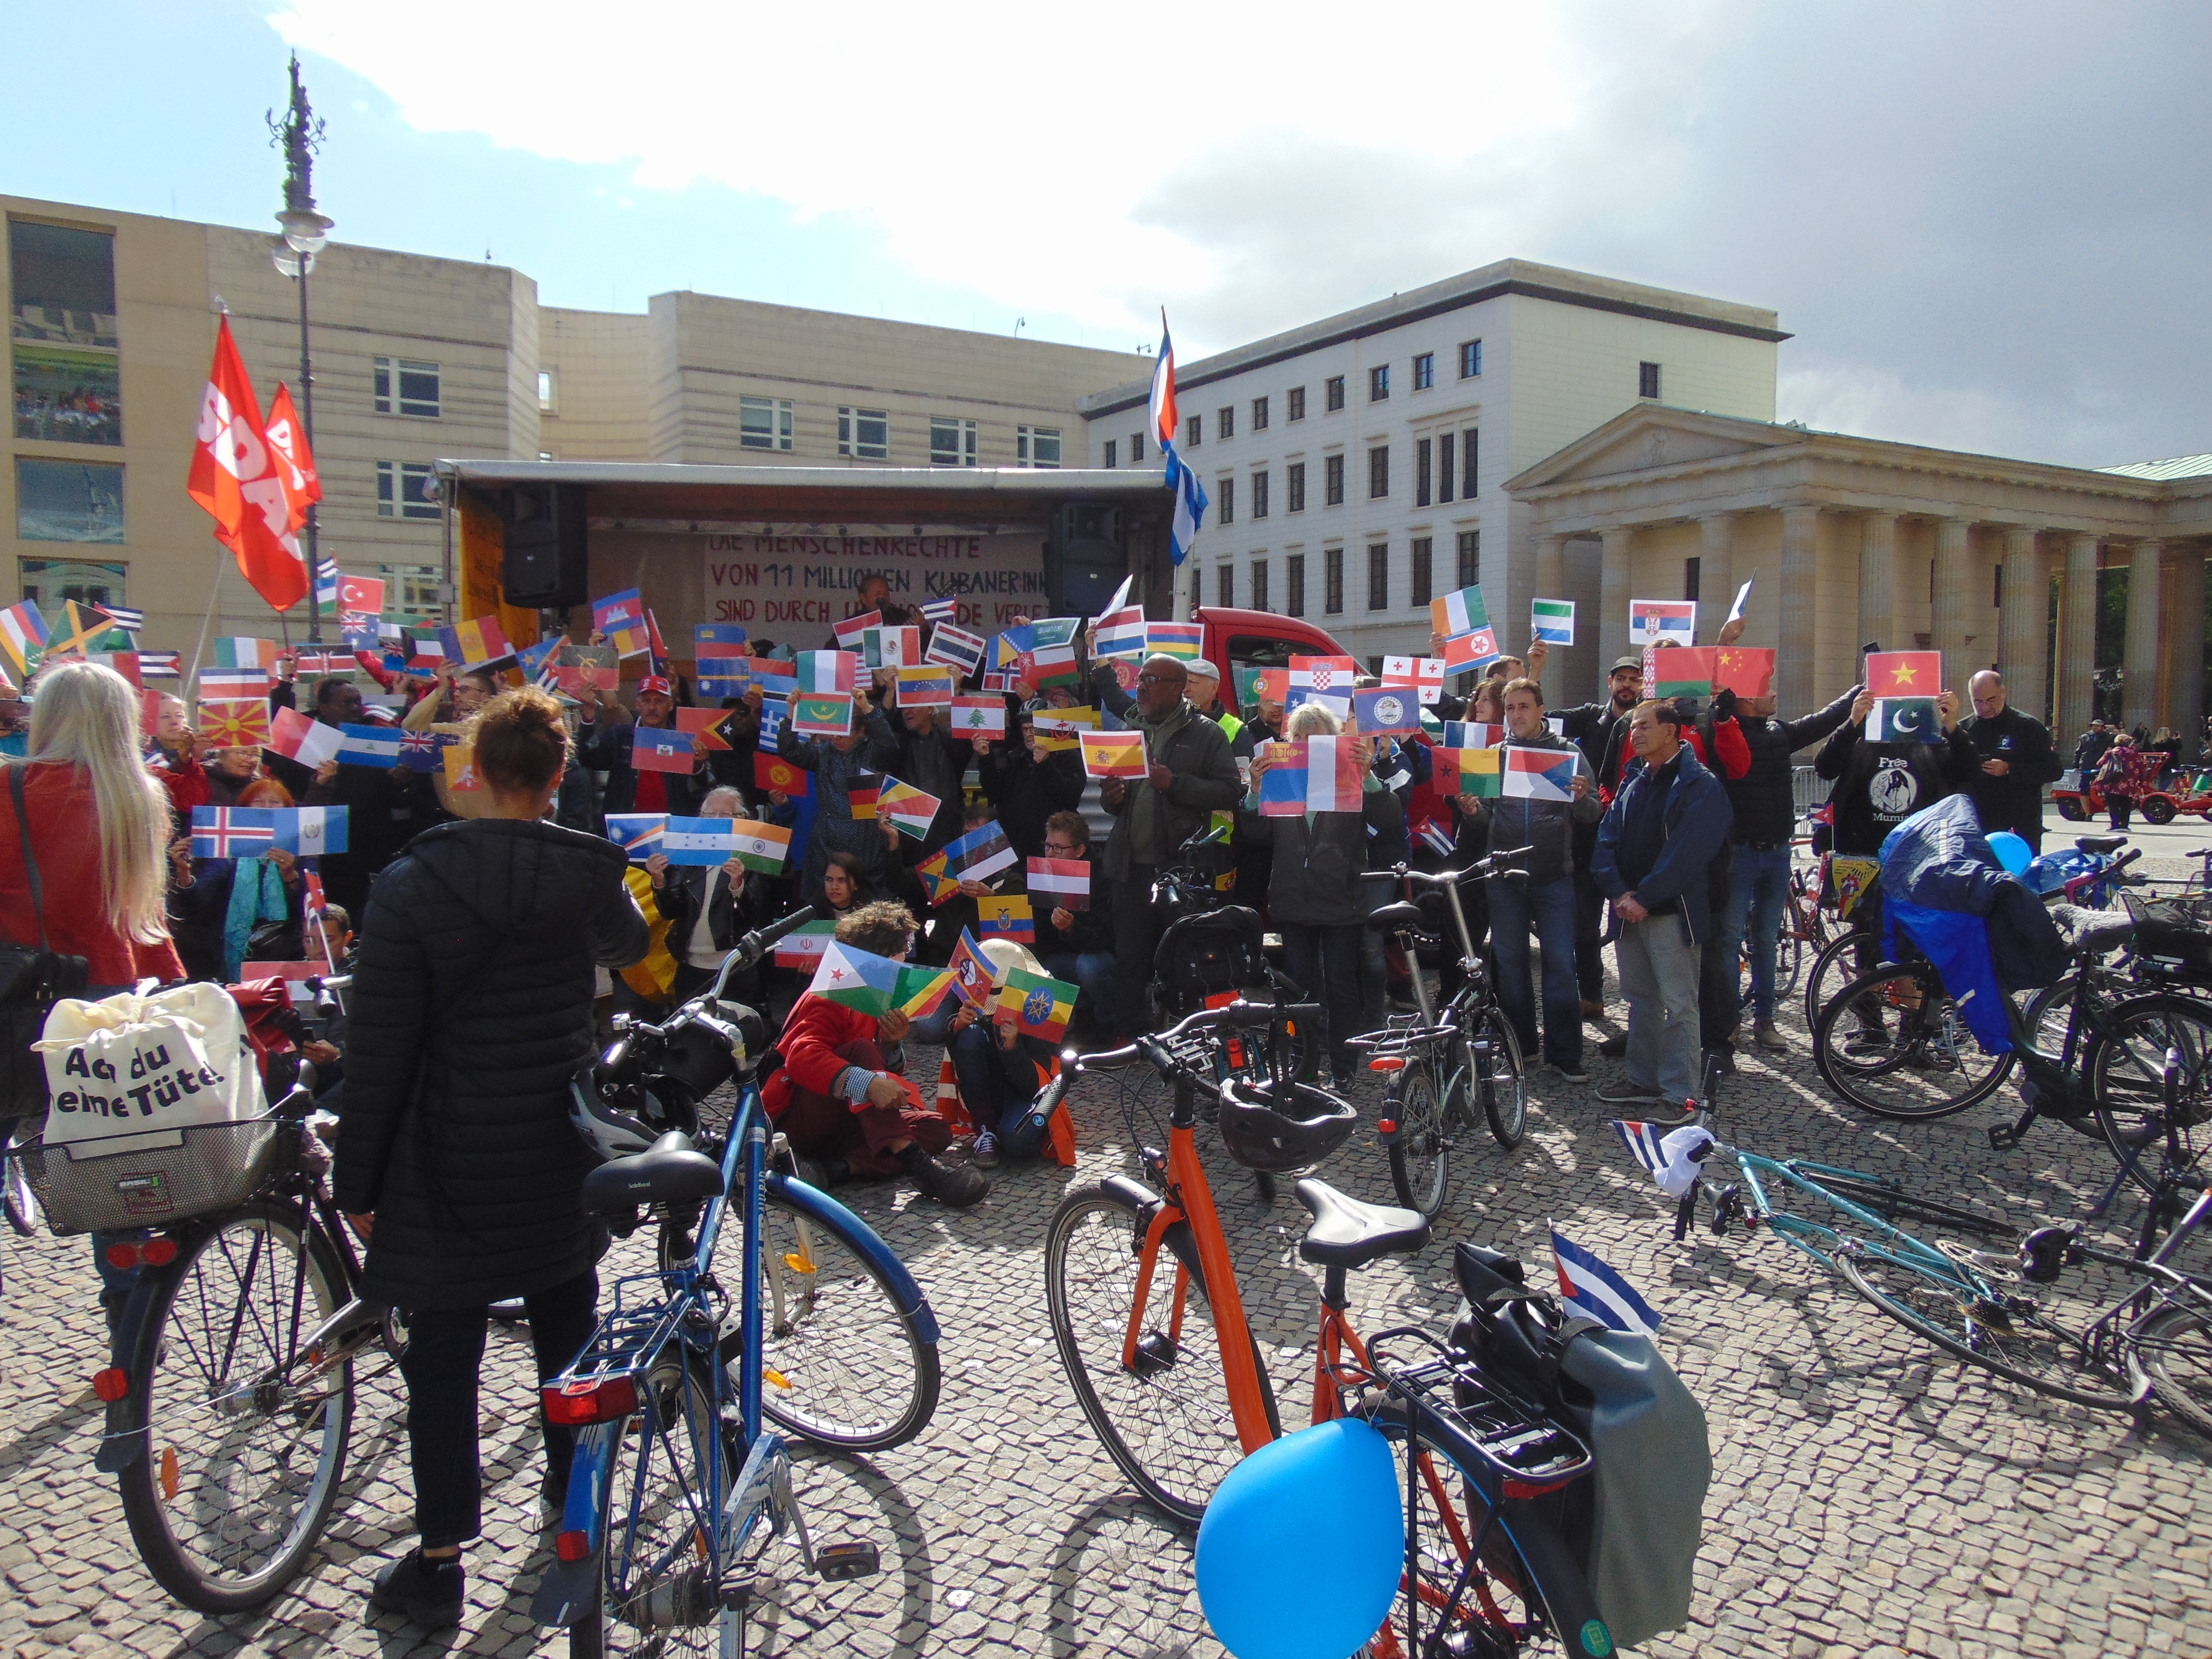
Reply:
x=1026, y=785
x=1076, y=945
x=1765, y=814
x=2016, y=761
x=931, y=760
x=1599, y=730
x=2091, y=747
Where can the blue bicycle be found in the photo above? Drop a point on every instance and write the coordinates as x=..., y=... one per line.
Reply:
x=680, y=1484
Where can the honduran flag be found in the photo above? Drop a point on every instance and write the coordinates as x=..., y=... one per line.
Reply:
x=1423, y=674
x=232, y=832
x=638, y=834
x=23, y=634
x=1462, y=612
x=1662, y=622
x=956, y=648
x=1595, y=1289
x=1121, y=634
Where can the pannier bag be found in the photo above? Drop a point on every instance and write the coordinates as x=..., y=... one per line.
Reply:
x=1209, y=954
x=2171, y=929
x=157, y=1111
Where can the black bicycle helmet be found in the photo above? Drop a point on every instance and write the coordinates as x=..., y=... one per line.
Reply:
x=1283, y=1128
x=608, y=1129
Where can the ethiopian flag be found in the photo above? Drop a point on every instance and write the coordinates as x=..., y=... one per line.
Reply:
x=1040, y=1005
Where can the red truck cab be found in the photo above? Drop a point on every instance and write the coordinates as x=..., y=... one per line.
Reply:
x=1256, y=638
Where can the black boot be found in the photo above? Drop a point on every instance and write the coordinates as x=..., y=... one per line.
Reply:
x=955, y=1185
x=428, y=1593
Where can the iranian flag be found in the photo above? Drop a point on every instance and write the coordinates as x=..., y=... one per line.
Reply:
x=804, y=948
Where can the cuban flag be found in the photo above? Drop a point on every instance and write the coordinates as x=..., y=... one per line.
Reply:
x=937, y=611
x=130, y=622
x=1588, y=1285
x=1662, y=622
x=232, y=832
x=1671, y=1159
x=1434, y=836
x=160, y=665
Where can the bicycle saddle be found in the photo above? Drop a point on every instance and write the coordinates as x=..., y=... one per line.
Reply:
x=2100, y=843
x=1346, y=1233
x=1404, y=913
x=2092, y=932
x=670, y=1171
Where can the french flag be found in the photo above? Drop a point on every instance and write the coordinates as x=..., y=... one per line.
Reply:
x=1594, y=1288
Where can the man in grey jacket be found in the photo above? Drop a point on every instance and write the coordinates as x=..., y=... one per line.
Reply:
x=1188, y=773
x=1546, y=900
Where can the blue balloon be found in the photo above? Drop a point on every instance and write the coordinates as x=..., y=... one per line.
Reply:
x=2013, y=852
x=1301, y=1548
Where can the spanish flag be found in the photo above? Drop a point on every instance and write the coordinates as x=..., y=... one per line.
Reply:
x=1040, y=1005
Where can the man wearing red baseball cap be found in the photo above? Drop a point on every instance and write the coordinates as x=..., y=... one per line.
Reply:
x=603, y=743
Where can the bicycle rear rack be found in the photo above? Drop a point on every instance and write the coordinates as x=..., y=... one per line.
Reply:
x=1482, y=1426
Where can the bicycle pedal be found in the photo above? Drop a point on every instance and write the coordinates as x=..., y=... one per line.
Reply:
x=2003, y=1137
x=837, y=1562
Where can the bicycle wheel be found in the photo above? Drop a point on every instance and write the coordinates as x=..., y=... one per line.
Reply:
x=1418, y=1158
x=1165, y=1420
x=2127, y=1078
x=657, y=1597
x=1835, y=967
x=2001, y=1331
x=1789, y=968
x=1503, y=1086
x=850, y=1368
x=244, y=1443
x=2048, y=1018
x=1893, y=1045
x=2172, y=1349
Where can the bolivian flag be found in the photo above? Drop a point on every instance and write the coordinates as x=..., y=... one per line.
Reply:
x=1039, y=1005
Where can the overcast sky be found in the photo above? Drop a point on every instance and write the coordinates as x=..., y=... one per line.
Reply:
x=1986, y=224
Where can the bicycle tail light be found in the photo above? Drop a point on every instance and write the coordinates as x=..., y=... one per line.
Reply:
x=111, y=1384
x=593, y=1400
x=572, y=1546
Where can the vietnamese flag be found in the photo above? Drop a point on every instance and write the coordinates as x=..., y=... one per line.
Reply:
x=235, y=478
x=771, y=772
x=295, y=462
x=1747, y=673
x=1904, y=674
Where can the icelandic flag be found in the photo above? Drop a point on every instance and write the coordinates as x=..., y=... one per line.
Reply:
x=638, y=834
x=1590, y=1285
x=1191, y=501
x=1540, y=774
x=1662, y=622
x=232, y=832
x=310, y=832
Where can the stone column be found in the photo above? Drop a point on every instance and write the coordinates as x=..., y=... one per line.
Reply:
x=1878, y=581
x=2183, y=589
x=2077, y=642
x=1794, y=645
x=2141, y=654
x=1614, y=597
x=2023, y=653
x=1947, y=616
x=1550, y=567
x=1715, y=573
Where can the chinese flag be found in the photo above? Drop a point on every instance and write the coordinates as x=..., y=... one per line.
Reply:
x=1746, y=671
x=236, y=477
x=780, y=775
x=295, y=462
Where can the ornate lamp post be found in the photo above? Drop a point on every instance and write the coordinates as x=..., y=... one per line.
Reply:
x=299, y=135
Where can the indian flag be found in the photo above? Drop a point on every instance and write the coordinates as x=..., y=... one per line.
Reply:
x=804, y=948
x=762, y=847
x=1040, y=1004
x=1113, y=754
x=1459, y=613
x=911, y=810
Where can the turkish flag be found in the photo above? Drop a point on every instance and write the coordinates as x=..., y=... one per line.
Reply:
x=295, y=462
x=236, y=477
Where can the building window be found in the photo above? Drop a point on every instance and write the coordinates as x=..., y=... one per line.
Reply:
x=1331, y=481
x=952, y=442
x=1136, y=449
x=1109, y=453
x=1193, y=430
x=1224, y=422
x=765, y=423
x=1647, y=380
x=1997, y=587
x=1332, y=394
x=1470, y=359
x=1443, y=466
x=405, y=489
x=1333, y=580
x=1259, y=495
x=549, y=393
x=1197, y=587
x=1295, y=399
x=1378, y=472
x=1423, y=479
x=61, y=284
x=865, y=434
x=416, y=391
x=1471, y=450
x=1378, y=383
x=1294, y=487
x=1419, y=573
x=67, y=502
x=1225, y=500
x=1378, y=576
x=50, y=583
x=1424, y=371
x=1259, y=414
x=1259, y=584
x=1225, y=585
x=1294, y=584
x=1691, y=570
x=1470, y=558
x=66, y=396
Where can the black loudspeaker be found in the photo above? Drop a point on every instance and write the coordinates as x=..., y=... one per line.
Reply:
x=543, y=549
x=1085, y=557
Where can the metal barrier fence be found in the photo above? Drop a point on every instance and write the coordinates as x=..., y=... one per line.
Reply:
x=1808, y=789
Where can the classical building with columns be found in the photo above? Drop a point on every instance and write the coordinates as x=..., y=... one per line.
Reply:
x=1854, y=540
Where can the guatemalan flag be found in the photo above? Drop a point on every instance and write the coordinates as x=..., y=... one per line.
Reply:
x=1593, y=1288
x=1190, y=497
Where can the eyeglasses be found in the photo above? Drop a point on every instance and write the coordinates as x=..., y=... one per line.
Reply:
x=1160, y=679
x=1062, y=848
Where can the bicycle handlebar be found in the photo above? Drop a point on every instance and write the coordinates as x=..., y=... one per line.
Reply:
x=1491, y=866
x=1153, y=1050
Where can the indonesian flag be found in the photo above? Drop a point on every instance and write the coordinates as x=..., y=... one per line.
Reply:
x=295, y=462
x=1424, y=674
x=236, y=477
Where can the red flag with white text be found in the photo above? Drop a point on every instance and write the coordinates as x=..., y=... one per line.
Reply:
x=236, y=477
x=295, y=462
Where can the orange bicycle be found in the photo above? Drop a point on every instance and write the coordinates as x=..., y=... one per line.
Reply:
x=1152, y=1330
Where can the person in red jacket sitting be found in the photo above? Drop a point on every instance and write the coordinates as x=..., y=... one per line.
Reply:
x=842, y=1106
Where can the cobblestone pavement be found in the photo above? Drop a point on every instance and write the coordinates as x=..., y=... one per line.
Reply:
x=1868, y=1496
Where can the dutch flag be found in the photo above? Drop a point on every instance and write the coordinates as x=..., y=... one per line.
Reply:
x=1593, y=1288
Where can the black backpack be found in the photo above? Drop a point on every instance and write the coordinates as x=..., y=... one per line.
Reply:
x=1210, y=954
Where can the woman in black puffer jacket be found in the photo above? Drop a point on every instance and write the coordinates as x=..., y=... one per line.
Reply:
x=471, y=1010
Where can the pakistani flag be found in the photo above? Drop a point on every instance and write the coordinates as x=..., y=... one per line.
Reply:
x=1903, y=720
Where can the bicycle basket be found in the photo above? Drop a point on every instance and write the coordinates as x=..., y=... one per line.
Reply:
x=115, y=1182
x=1206, y=954
x=2171, y=929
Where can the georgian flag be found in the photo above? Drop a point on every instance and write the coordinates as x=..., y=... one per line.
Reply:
x=1588, y=1283
x=1423, y=674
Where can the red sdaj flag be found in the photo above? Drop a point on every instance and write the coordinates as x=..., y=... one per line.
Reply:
x=236, y=477
x=295, y=462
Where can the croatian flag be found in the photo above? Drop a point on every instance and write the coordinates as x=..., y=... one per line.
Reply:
x=1334, y=674
x=1593, y=1288
x=232, y=832
x=1662, y=622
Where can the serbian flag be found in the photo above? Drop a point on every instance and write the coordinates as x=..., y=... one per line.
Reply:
x=1596, y=1289
x=1423, y=674
x=911, y=811
x=1904, y=674
x=717, y=841
x=658, y=749
x=1462, y=612
x=1185, y=641
x=620, y=618
x=232, y=832
x=296, y=738
x=1334, y=674
x=1746, y=671
x=1113, y=754
x=848, y=632
x=1123, y=634
x=773, y=772
x=478, y=644
x=1477, y=772
x=1540, y=774
x=1685, y=671
x=236, y=724
x=928, y=687
x=955, y=648
x=295, y=462
x=826, y=671
x=1065, y=882
x=235, y=478
x=1471, y=650
x=979, y=717
x=1662, y=622
x=1007, y=916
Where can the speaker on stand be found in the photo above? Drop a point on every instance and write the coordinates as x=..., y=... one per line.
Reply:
x=545, y=548
x=1086, y=556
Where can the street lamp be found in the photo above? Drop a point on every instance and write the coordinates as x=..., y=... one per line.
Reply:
x=307, y=232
